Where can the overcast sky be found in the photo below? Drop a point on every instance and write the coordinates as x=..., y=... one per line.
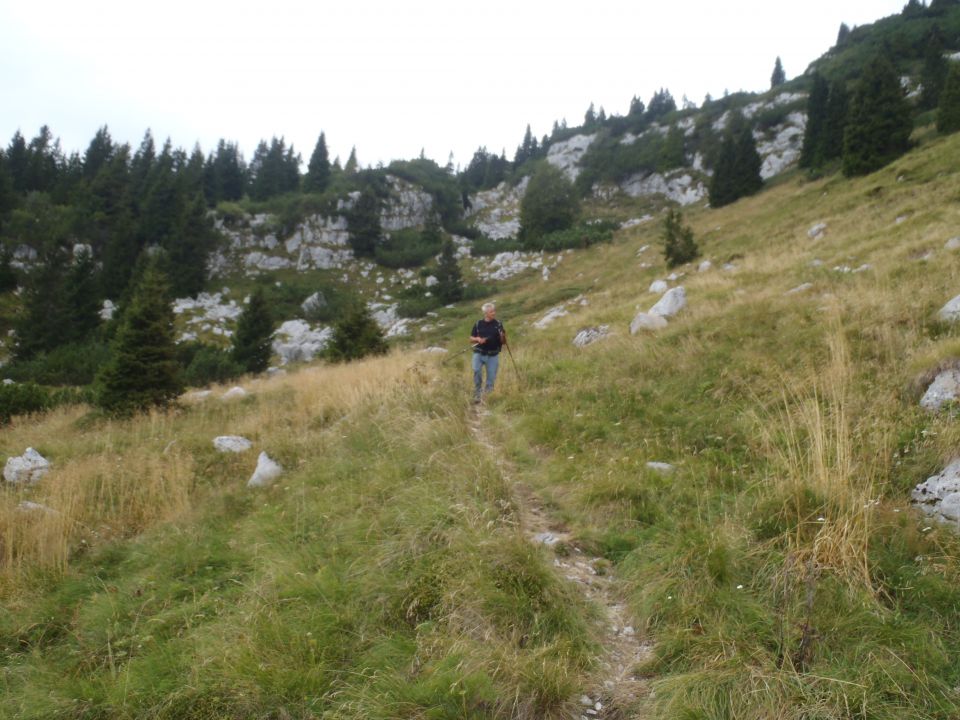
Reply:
x=391, y=78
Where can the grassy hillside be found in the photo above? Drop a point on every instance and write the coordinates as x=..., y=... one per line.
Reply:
x=778, y=572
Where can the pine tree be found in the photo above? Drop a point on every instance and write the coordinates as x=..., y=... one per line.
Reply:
x=672, y=151
x=812, y=152
x=363, y=224
x=351, y=167
x=357, y=335
x=8, y=196
x=142, y=371
x=17, y=162
x=662, y=103
x=252, y=340
x=842, y=34
x=82, y=299
x=589, y=118
x=748, y=163
x=450, y=286
x=778, y=77
x=43, y=323
x=722, y=190
x=188, y=249
x=679, y=247
x=948, y=112
x=98, y=153
x=879, y=124
x=838, y=104
x=318, y=171
x=934, y=71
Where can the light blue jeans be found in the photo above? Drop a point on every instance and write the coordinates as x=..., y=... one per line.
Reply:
x=492, y=362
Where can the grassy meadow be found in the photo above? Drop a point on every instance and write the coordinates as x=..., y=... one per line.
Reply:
x=779, y=571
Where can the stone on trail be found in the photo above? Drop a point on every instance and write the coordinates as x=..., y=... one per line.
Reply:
x=646, y=321
x=266, y=473
x=671, y=303
x=27, y=468
x=661, y=467
x=232, y=443
x=658, y=287
x=945, y=388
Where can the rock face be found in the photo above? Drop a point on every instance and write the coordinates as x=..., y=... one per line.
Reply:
x=267, y=472
x=671, y=303
x=565, y=156
x=939, y=496
x=26, y=469
x=296, y=341
x=679, y=186
x=591, y=335
x=951, y=311
x=945, y=388
x=780, y=148
x=232, y=443
x=496, y=212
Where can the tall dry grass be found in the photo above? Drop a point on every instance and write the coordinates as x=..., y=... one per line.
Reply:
x=116, y=478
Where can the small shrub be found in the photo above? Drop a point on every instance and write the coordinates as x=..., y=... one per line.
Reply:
x=582, y=236
x=406, y=248
x=357, y=335
x=210, y=364
x=22, y=399
x=679, y=246
x=73, y=364
x=483, y=245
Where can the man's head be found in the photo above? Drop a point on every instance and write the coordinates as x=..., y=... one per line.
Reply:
x=489, y=311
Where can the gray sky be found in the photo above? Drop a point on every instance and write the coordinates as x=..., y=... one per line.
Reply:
x=388, y=77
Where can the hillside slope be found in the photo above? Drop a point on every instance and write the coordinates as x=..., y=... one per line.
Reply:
x=778, y=571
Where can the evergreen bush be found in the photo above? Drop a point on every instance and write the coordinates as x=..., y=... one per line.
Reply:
x=22, y=399
x=679, y=246
x=209, y=364
x=252, y=341
x=357, y=335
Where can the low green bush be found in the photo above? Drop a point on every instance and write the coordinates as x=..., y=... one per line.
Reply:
x=581, y=236
x=73, y=364
x=22, y=399
x=405, y=249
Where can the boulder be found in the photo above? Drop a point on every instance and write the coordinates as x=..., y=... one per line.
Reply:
x=951, y=311
x=26, y=469
x=671, y=303
x=646, y=321
x=704, y=266
x=658, y=287
x=554, y=313
x=232, y=443
x=817, y=231
x=939, y=495
x=661, y=467
x=234, y=393
x=266, y=473
x=952, y=244
x=296, y=341
x=945, y=388
x=800, y=288
x=591, y=335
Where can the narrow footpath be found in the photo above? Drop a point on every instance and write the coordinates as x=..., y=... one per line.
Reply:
x=619, y=692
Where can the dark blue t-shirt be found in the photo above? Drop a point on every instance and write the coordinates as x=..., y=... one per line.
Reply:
x=492, y=332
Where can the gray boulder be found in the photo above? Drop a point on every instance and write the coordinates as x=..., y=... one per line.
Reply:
x=939, y=495
x=945, y=388
x=672, y=302
x=661, y=467
x=232, y=443
x=658, y=287
x=26, y=469
x=951, y=311
x=590, y=335
x=267, y=472
x=647, y=321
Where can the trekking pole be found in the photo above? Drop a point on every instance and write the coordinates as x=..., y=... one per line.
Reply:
x=515, y=368
x=460, y=352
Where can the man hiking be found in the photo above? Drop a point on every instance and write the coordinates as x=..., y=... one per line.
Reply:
x=488, y=337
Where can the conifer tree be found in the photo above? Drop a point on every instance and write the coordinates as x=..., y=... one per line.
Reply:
x=748, y=163
x=81, y=298
x=8, y=276
x=142, y=371
x=450, y=281
x=17, y=162
x=98, y=153
x=736, y=172
x=357, y=335
x=948, y=112
x=363, y=224
x=679, y=247
x=778, y=77
x=934, y=71
x=252, y=340
x=188, y=249
x=8, y=197
x=672, y=151
x=879, y=125
x=812, y=152
x=43, y=323
x=318, y=171
x=351, y=167
x=838, y=104
x=842, y=34
x=662, y=103
x=589, y=118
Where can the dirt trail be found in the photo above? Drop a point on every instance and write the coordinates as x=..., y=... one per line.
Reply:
x=619, y=692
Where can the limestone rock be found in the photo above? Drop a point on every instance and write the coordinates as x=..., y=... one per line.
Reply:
x=704, y=266
x=647, y=321
x=679, y=186
x=800, y=288
x=591, y=335
x=232, y=443
x=951, y=311
x=939, y=495
x=234, y=393
x=297, y=341
x=267, y=472
x=566, y=155
x=26, y=469
x=671, y=303
x=661, y=467
x=817, y=231
x=945, y=388
x=952, y=244
x=658, y=287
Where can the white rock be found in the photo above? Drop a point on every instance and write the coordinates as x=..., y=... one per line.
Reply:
x=945, y=388
x=26, y=469
x=8, y=381
x=554, y=313
x=678, y=186
x=950, y=507
x=434, y=350
x=566, y=155
x=931, y=495
x=313, y=303
x=951, y=311
x=633, y=222
x=658, y=287
x=661, y=467
x=671, y=303
x=232, y=443
x=952, y=244
x=800, y=288
x=27, y=506
x=817, y=231
x=704, y=266
x=297, y=341
x=591, y=335
x=266, y=473
x=233, y=393
x=646, y=321
x=106, y=312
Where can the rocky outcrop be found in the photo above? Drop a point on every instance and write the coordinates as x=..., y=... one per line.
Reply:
x=565, y=155
x=680, y=186
x=590, y=335
x=944, y=389
x=26, y=469
x=939, y=496
x=297, y=341
x=496, y=212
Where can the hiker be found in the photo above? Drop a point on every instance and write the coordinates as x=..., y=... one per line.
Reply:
x=488, y=337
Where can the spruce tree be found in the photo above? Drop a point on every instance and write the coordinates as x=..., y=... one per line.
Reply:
x=934, y=71
x=812, y=152
x=838, y=108
x=450, y=286
x=188, y=249
x=142, y=371
x=351, y=167
x=252, y=345
x=82, y=299
x=672, y=153
x=98, y=153
x=736, y=172
x=318, y=171
x=748, y=163
x=356, y=335
x=679, y=247
x=778, y=77
x=43, y=324
x=363, y=224
x=948, y=112
x=879, y=124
